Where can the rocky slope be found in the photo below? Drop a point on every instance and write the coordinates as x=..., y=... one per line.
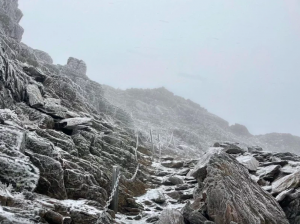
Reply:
x=193, y=127
x=61, y=134
x=227, y=185
x=58, y=140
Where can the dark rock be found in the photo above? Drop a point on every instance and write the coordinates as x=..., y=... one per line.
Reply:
x=191, y=216
x=172, y=164
x=156, y=196
x=199, y=172
x=280, y=163
x=291, y=207
x=287, y=156
x=51, y=180
x=158, y=208
x=231, y=148
x=268, y=172
x=152, y=219
x=174, y=194
x=173, y=180
x=183, y=187
x=138, y=217
x=186, y=196
x=162, y=173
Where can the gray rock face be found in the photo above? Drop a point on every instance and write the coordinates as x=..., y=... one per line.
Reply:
x=191, y=216
x=173, y=180
x=248, y=161
x=225, y=200
x=170, y=216
x=10, y=16
x=43, y=56
x=230, y=148
x=76, y=67
x=269, y=172
x=200, y=172
x=291, y=206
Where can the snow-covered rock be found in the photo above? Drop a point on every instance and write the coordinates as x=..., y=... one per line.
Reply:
x=248, y=161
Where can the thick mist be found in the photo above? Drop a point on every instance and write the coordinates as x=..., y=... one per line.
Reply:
x=238, y=59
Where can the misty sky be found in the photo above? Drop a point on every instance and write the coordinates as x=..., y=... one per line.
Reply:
x=237, y=58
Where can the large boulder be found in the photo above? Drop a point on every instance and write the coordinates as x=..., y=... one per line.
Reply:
x=156, y=196
x=268, y=172
x=191, y=216
x=291, y=206
x=228, y=194
x=248, y=161
x=34, y=95
x=286, y=182
x=76, y=68
x=170, y=216
x=199, y=172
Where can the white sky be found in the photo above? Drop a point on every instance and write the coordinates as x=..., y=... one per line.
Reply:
x=237, y=58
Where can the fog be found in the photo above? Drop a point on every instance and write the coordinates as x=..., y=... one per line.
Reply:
x=238, y=59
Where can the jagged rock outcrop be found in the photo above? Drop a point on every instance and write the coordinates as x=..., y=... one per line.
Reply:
x=10, y=16
x=59, y=137
x=43, y=56
x=228, y=194
x=239, y=129
x=169, y=216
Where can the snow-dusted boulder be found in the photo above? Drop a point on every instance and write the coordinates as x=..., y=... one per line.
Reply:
x=286, y=182
x=156, y=196
x=199, y=172
x=268, y=172
x=170, y=216
x=248, y=161
x=228, y=194
x=20, y=173
x=35, y=98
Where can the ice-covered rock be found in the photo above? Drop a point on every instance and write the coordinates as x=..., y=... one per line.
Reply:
x=199, y=172
x=225, y=200
x=286, y=182
x=248, y=161
x=170, y=216
x=156, y=196
x=77, y=122
x=268, y=172
x=35, y=98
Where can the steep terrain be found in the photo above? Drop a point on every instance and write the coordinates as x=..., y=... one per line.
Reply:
x=61, y=134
